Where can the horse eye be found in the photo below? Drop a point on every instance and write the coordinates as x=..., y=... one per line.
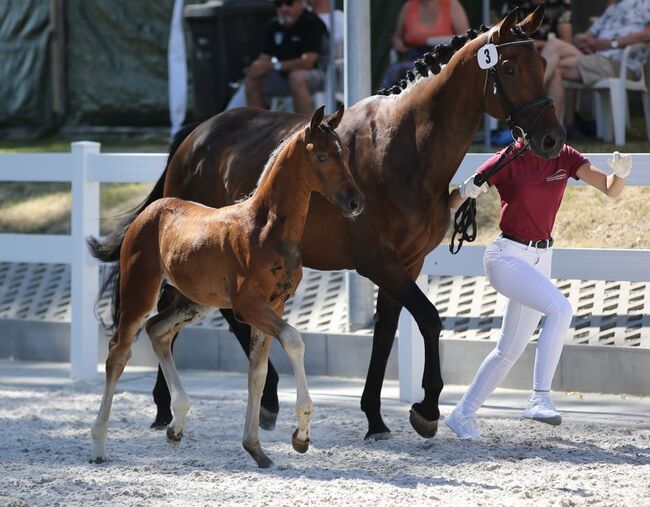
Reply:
x=321, y=157
x=509, y=71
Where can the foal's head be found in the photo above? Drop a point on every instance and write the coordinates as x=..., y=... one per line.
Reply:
x=515, y=85
x=328, y=169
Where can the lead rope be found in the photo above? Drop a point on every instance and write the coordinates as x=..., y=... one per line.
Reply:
x=465, y=217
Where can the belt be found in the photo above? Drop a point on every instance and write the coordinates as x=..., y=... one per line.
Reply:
x=542, y=243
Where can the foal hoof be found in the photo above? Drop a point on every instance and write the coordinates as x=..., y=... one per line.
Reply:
x=267, y=419
x=263, y=461
x=173, y=436
x=423, y=426
x=300, y=446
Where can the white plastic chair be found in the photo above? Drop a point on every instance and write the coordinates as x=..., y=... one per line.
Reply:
x=611, y=104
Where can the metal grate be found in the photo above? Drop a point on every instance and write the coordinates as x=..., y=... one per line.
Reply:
x=605, y=313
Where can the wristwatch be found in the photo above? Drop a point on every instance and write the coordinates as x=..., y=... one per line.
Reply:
x=277, y=64
x=614, y=43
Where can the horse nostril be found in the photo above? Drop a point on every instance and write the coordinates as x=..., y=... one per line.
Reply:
x=353, y=205
x=549, y=143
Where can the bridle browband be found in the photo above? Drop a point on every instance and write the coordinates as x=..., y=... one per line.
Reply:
x=511, y=114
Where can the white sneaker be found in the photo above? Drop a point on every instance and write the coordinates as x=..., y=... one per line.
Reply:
x=541, y=408
x=465, y=426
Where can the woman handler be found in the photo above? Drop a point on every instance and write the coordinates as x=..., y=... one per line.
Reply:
x=518, y=265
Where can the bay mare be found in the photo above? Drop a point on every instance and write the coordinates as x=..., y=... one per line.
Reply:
x=404, y=150
x=245, y=257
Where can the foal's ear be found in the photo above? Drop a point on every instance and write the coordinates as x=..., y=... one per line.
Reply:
x=334, y=119
x=508, y=22
x=317, y=118
x=531, y=24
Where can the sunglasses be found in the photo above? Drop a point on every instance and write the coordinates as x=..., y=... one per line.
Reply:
x=280, y=3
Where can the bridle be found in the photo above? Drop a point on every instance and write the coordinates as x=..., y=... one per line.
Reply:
x=465, y=217
x=513, y=114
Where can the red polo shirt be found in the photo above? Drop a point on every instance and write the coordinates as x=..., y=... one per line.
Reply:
x=531, y=190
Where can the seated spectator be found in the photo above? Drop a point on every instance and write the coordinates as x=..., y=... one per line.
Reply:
x=599, y=51
x=554, y=40
x=420, y=26
x=288, y=62
x=322, y=9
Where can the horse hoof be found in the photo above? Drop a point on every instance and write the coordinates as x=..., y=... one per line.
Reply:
x=161, y=422
x=98, y=460
x=422, y=426
x=264, y=461
x=267, y=419
x=300, y=446
x=384, y=435
x=172, y=436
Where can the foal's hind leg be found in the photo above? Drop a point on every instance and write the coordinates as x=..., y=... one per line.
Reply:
x=161, y=328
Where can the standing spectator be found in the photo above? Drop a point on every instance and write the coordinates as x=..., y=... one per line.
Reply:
x=599, y=51
x=287, y=65
x=419, y=24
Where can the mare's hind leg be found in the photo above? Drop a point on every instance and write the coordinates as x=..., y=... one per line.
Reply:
x=161, y=328
x=260, y=345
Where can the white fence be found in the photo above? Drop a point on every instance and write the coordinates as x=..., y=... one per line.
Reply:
x=85, y=167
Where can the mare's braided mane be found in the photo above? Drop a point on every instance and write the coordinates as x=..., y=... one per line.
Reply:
x=440, y=55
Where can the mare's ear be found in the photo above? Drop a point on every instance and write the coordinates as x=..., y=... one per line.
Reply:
x=508, y=22
x=334, y=119
x=531, y=24
x=317, y=118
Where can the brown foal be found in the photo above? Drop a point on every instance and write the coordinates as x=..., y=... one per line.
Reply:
x=246, y=257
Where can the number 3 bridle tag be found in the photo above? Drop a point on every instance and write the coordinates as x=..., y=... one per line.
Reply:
x=487, y=56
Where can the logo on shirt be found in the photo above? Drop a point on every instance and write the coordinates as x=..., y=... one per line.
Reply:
x=558, y=175
x=278, y=37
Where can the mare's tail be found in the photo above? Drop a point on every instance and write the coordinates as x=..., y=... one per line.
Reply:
x=108, y=249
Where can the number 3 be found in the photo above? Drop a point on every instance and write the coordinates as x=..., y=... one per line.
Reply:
x=488, y=60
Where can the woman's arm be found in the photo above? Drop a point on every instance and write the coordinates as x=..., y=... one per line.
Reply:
x=610, y=185
x=468, y=189
x=459, y=20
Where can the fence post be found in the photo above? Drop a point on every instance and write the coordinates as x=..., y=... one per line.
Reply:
x=411, y=353
x=84, y=285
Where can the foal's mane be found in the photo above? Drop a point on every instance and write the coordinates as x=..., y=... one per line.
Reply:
x=440, y=55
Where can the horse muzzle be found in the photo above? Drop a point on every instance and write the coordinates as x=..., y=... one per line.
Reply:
x=548, y=144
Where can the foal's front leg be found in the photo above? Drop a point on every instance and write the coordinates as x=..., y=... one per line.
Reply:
x=260, y=344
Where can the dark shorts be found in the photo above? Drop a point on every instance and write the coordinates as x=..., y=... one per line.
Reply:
x=276, y=84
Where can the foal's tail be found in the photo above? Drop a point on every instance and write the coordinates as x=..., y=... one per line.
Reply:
x=108, y=249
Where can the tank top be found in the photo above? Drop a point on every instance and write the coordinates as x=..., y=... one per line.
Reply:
x=416, y=32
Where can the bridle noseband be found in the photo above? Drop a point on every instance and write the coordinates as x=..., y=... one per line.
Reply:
x=511, y=115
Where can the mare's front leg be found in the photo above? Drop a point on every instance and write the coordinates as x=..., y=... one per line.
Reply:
x=386, y=270
x=386, y=320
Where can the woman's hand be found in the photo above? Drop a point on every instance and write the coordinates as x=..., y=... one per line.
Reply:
x=620, y=164
x=469, y=189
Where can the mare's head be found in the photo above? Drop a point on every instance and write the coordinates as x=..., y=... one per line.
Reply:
x=514, y=87
x=328, y=163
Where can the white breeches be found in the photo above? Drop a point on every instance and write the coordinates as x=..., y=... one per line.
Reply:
x=521, y=273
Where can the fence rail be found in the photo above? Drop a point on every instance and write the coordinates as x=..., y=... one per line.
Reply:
x=85, y=168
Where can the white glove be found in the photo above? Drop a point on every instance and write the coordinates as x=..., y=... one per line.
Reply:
x=469, y=188
x=621, y=164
